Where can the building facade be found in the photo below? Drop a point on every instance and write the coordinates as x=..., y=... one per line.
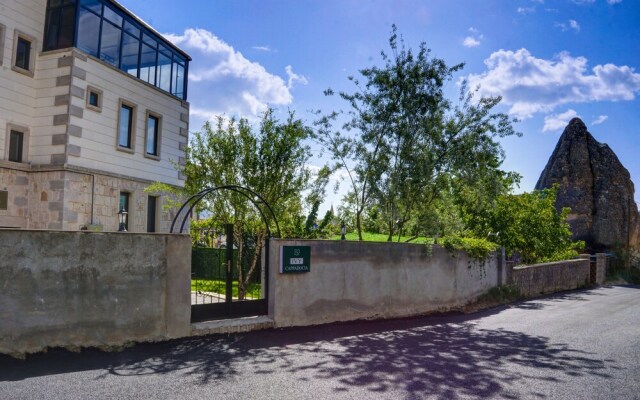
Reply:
x=92, y=111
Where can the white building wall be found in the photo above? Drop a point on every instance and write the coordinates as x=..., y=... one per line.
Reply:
x=99, y=129
x=18, y=91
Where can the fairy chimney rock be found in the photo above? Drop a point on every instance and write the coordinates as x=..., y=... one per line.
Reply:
x=597, y=188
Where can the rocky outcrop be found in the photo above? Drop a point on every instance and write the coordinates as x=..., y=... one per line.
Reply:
x=597, y=188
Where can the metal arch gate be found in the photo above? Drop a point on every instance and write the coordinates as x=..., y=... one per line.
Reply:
x=212, y=291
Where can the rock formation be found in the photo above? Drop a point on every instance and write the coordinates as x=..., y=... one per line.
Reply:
x=597, y=188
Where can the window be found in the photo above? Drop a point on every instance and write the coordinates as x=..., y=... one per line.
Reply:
x=2, y=32
x=4, y=200
x=60, y=24
x=23, y=54
x=126, y=127
x=94, y=99
x=152, y=143
x=17, y=143
x=123, y=204
x=152, y=203
x=107, y=32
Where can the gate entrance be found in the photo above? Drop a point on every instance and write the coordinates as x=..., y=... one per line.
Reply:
x=229, y=268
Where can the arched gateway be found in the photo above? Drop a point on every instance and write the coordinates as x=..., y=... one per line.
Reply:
x=225, y=282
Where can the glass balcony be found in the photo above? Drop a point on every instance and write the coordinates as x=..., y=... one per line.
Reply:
x=106, y=31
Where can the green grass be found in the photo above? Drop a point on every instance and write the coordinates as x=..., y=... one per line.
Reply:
x=381, y=237
x=219, y=286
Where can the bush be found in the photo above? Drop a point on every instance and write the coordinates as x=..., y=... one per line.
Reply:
x=529, y=225
x=476, y=248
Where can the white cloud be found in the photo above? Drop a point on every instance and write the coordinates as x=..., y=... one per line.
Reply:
x=266, y=49
x=526, y=10
x=222, y=80
x=474, y=39
x=573, y=24
x=584, y=1
x=293, y=77
x=614, y=1
x=557, y=122
x=470, y=42
x=531, y=85
x=599, y=120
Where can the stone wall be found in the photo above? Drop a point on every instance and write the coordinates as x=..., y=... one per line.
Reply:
x=539, y=279
x=71, y=199
x=78, y=289
x=362, y=280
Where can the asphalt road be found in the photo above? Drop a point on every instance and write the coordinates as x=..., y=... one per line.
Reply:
x=575, y=345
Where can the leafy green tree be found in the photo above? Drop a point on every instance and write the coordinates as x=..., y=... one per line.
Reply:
x=529, y=225
x=270, y=159
x=403, y=140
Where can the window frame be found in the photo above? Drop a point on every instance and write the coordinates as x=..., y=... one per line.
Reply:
x=129, y=197
x=97, y=92
x=158, y=118
x=25, y=143
x=3, y=32
x=132, y=126
x=155, y=213
x=17, y=36
x=5, y=194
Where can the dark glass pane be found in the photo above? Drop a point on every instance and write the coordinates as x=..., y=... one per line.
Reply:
x=54, y=3
x=88, y=32
x=164, y=71
x=113, y=16
x=148, y=64
x=15, y=146
x=110, y=44
x=93, y=5
x=94, y=99
x=123, y=204
x=67, y=27
x=178, y=80
x=132, y=29
x=130, y=49
x=23, y=53
x=51, y=29
x=151, y=214
x=152, y=136
x=149, y=40
x=59, y=27
x=124, y=130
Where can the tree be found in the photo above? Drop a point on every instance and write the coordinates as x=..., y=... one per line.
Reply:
x=529, y=225
x=270, y=159
x=404, y=141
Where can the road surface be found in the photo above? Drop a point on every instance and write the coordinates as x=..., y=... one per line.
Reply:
x=575, y=345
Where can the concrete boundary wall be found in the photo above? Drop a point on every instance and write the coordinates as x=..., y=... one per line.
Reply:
x=539, y=279
x=81, y=289
x=362, y=280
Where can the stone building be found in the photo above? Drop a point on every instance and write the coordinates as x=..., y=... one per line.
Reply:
x=92, y=110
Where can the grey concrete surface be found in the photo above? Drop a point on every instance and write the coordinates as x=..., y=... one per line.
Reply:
x=79, y=289
x=534, y=280
x=572, y=345
x=358, y=280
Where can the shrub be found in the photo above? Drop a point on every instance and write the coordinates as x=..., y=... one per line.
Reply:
x=476, y=248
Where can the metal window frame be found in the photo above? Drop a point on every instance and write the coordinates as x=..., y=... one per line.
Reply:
x=176, y=56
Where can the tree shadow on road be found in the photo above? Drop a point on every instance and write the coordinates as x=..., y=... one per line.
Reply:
x=443, y=357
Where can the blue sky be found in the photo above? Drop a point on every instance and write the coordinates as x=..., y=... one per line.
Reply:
x=551, y=60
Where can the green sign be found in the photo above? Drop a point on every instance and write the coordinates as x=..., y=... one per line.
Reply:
x=295, y=259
